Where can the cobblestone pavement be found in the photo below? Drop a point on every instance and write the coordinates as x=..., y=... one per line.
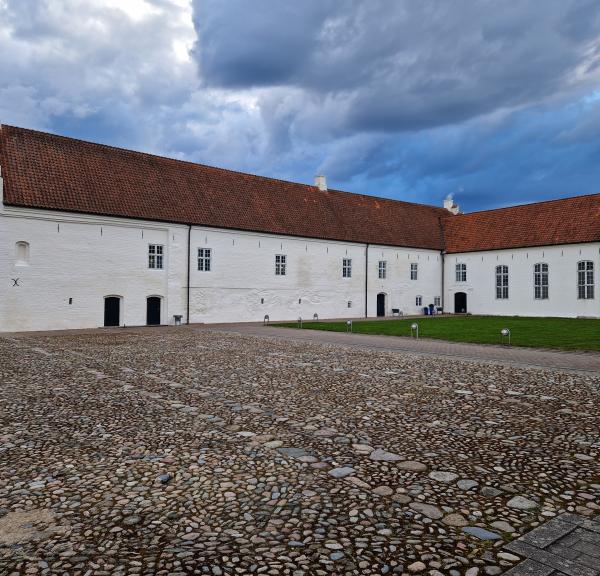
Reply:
x=518, y=356
x=178, y=451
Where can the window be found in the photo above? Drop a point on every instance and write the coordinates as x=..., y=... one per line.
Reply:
x=419, y=300
x=461, y=272
x=502, y=282
x=437, y=301
x=349, y=303
x=204, y=259
x=540, y=281
x=585, y=280
x=21, y=253
x=280, y=264
x=382, y=269
x=347, y=268
x=414, y=271
x=155, y=256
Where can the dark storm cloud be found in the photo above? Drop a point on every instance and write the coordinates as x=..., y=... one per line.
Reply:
x=495, y=101
x=403, y=65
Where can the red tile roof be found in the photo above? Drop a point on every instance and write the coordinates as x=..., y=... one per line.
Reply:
x=53, y=172
x=566, y=221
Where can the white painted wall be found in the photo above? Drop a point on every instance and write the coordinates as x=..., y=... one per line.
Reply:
x=86, y=258
x=243, y=274
x=400, y=290
x=480, y=286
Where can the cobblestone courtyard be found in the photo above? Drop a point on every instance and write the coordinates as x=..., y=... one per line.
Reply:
x=176, y=451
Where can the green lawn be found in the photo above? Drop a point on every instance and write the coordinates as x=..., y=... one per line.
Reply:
x=567, y=333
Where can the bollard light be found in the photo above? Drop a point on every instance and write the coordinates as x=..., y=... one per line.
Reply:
x=414, y=330
x=505, y=334
x=349, y=326
x=299, y=321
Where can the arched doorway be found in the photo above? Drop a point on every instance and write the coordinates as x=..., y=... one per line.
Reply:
x=460, y=303
x=153, y=310
x=381, y=304
x=112, y=311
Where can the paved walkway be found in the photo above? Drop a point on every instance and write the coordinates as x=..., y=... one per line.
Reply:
x=568, y=545
x=528, y=357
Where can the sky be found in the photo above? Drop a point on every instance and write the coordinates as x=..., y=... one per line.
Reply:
x=495, y=102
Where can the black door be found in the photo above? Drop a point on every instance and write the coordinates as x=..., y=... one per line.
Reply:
x=153, y=311
x=380, y=304
x=112, y=310
x=460, y=303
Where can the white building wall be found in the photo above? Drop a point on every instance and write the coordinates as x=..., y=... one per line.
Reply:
x=480, y=286
x=85, y=259
x=242, y=285
x=401, y=292
x=75, y=261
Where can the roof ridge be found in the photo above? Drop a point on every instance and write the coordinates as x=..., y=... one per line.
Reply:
x=530, y=204
x=210, y=167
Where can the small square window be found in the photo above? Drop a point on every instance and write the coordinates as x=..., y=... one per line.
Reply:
x=204, y=259
x=155, y=256
x=280, y=264
x=347, y=268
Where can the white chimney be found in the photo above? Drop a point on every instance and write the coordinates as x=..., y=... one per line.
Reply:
x=321, y=183
x=450, y=205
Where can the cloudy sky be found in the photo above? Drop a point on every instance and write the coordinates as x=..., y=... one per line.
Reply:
x=494, y=101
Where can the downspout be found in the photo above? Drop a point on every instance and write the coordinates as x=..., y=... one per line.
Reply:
x=443, y=274
x=188, y=272
x=367, y=280
x=443, y=254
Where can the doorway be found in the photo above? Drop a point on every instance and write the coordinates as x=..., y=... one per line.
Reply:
x=112, y=311
x=460, y=303
x=381, y=304
x=153, y=311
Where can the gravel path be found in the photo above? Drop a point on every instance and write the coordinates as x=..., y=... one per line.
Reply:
x=198, y=452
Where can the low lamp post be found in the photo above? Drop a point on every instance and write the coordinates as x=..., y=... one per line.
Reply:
x=505, y=336
x=349, y=326
x=414, y=330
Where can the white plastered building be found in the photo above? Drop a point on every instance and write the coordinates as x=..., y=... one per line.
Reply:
x=92, y=235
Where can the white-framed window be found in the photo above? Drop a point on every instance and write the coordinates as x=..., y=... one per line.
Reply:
x=21, y=253
x=280, y=264
x=155, y=256
x=204, y=259
x=585, y=280
x=349, y=303
x=540, y=281
x=419, y=301
x=347, y=268
x=461, y=272
x=382, y=269
x=414, y=271
x=502, y=282
x=437, y=301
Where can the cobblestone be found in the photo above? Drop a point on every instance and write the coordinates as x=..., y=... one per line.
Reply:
x=192, y=451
